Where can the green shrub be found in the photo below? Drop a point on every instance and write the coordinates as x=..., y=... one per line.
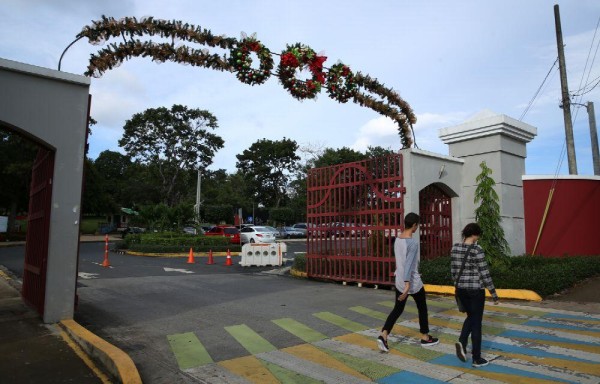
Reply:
x=156, y=248
x=299, y=262
x=177, y=240
x=545, y=276
x=436, y=271
x=88, y=227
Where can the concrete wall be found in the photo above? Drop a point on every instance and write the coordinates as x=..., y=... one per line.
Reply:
x=51, y=108
x=500, y=141
x=566, y=222
x=422, y=168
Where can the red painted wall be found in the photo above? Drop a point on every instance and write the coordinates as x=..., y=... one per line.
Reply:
x=572, y=225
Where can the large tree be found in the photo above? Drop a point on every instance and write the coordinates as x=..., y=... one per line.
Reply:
x=174, y=140
x=267, y=166
x=342, y=155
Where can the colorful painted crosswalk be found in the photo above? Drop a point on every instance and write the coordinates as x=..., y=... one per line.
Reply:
x=524, y=345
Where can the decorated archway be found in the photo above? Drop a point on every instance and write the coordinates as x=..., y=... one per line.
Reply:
x=341, y=83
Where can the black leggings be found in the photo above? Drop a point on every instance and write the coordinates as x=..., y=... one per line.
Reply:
x=474, y=302
x=419, y=299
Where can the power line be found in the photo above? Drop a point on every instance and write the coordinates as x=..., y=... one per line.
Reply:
x=588, y=59
x=538, y=91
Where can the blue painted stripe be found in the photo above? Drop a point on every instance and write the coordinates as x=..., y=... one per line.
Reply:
x=451, y=360
x=406, y=377
x=575, y=317
x=543, y=324
x=494, y=346
x=539, y=336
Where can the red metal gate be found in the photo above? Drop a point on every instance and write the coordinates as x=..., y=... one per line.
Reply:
x=38, y=228
x=436, y=222
x=353, y=213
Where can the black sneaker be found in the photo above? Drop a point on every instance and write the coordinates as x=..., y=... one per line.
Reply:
x=382, y=344
x=481, y=362
x=429, y=342
x=460, y=352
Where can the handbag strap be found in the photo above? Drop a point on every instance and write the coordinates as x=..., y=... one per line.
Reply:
x=463, y=265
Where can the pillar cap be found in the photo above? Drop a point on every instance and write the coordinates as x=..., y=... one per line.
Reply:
x=488, y=123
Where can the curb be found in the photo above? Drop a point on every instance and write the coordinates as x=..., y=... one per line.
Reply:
x=295, y=273
x=517, y=294
x=116, y=362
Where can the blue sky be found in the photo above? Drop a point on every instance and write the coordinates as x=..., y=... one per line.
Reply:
x=448, y=59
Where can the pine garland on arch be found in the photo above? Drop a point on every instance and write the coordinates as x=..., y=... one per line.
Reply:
x=341, y=83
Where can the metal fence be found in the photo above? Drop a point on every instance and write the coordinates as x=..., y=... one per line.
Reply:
x=353, y=213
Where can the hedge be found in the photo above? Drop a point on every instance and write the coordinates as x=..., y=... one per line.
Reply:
x=173, y=242
x=153, y=248
x=545, y=276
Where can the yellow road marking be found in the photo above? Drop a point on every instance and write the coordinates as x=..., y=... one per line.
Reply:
x=312, y=353
x=251, y=369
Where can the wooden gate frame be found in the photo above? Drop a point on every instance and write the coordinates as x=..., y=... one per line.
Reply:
x=435, y=231
x=354, y=211
x=38, y=230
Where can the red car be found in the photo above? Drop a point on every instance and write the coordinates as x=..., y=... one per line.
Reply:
x=225, y=230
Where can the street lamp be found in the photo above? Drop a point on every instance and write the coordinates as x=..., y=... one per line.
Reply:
x=198, y=196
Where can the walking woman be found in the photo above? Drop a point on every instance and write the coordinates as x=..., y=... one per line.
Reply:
x=474, y=278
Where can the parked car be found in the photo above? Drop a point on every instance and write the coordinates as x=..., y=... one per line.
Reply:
x=256, y=234
x=274, y=230
x=291, y=233
x=225, y=230
x=190, y=230
x=302, y=227
x=129, y=230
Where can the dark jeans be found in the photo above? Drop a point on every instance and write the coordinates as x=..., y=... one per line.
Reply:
x=474, y=301
x=419, y=298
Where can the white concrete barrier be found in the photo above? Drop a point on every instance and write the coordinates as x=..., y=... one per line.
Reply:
x=260, y=254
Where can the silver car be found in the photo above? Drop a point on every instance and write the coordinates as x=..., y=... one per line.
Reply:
x=257, y=234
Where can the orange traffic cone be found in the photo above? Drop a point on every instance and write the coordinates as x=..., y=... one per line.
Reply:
x=210, y=257
x=191, y=257
x=105, y=263
x=228, y=261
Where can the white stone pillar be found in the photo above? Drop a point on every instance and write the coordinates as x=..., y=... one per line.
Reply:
x=500, y=141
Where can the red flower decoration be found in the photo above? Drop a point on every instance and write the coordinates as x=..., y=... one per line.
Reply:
x=301, y=56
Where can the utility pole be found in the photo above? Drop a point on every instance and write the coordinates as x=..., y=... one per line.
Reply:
x=566, y=102
x=594, y=138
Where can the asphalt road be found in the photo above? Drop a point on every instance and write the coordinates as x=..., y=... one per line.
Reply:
x=199, y=323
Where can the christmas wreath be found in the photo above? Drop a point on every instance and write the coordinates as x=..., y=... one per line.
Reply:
x=241, y=61
x=341, y=85
x=299, y=56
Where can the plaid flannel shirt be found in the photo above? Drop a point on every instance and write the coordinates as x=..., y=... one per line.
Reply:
x=476, y=274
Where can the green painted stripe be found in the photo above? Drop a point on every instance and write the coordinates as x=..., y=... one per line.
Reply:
x=446, y=304
x=409, y=308
x=289, y=377
x=341, y=322
x=252, y=341
x=418, y=352
x=371, y=369
x=188, y=350
x=300, y=330
x=369, y=312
